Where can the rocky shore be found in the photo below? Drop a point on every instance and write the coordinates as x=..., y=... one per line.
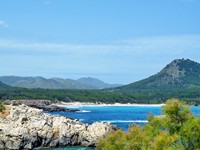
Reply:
x=24, y=127
x=45, y=105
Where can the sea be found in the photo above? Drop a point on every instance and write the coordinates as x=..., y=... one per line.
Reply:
x=121, y=116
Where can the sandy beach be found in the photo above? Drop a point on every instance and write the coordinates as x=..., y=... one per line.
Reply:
x=64, y=104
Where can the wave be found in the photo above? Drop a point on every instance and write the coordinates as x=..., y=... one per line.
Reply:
x=83, y=111
x=126, y=121
x=80, y=119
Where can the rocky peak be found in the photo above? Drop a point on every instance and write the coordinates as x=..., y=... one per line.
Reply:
x=179, y=69
x=174, y=70
x=179, y=74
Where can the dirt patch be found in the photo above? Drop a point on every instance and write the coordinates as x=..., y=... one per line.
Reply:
x=5, y=113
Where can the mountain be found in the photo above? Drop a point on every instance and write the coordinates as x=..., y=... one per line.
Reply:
x=53, y=83
x=40, y=82
x=179, y=74
x=96, y=83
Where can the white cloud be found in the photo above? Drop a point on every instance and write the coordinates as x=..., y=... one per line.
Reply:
x=158, y=45
x=3, y=24
x=164, y=44
x=135, y=58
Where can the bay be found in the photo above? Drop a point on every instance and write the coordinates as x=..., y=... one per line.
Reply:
x=121, y=116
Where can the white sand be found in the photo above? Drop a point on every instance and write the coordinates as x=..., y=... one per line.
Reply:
x=62, y=104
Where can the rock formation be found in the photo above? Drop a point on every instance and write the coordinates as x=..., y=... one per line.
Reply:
x=45, y=105
x=26, y=128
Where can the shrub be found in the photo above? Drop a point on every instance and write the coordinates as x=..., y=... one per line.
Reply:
x=6, y=103
x=16, y=104
x=178, y=129
x=2, y=108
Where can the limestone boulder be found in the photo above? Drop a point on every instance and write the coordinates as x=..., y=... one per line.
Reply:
x=26, y=128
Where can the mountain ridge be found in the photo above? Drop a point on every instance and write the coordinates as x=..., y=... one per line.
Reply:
x=54, y=83
x=96, y=83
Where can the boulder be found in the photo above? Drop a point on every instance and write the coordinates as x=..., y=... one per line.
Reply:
x=26, y=128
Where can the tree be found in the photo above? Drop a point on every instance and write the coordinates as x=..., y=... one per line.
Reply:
x=176, y=115
x=177, y=129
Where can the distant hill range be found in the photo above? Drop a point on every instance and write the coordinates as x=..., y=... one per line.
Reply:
x=179, y=74
x=179, y=79
x=55, y=83
x=96, y=83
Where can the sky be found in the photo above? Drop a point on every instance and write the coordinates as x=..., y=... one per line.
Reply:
x=117, y=41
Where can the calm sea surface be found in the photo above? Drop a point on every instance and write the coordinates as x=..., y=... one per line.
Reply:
x=121, y=116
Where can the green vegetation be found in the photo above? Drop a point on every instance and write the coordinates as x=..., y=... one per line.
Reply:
x=180, y=74
x=191, y=95
x=178, y=129
x=4, y=86
x=2, y=108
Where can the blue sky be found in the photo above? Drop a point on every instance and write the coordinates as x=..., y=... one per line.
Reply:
x=118, y=41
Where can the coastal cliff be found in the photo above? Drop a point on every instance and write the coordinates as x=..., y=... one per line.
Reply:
x=24, y=127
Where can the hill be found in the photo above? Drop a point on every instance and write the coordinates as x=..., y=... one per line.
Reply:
x=96, y=83
x=54, y=83
x=40, y=82
x=179, y=74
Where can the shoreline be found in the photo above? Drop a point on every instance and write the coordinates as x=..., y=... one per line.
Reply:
x=26, y=127
x=65, y=104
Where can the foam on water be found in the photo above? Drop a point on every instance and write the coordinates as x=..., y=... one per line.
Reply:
x=126, y=121
x=83, y=111
x=81, y=120
x=121, y=116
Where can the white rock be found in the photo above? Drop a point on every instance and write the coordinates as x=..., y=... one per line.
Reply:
x=26, y=127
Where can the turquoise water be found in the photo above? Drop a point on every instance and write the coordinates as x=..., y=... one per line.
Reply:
x=121, y=116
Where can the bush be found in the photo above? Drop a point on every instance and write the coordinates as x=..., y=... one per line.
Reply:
x=2, y=108
x=177, y=129
x=6, y=103
x=16, y=104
